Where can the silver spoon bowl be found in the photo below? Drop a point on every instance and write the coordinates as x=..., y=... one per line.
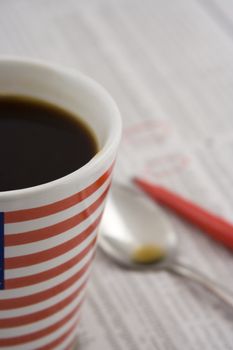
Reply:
x=136, y=235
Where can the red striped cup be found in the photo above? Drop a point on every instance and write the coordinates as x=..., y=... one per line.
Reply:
x=48, y=232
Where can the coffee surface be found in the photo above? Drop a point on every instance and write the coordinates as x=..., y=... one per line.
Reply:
x=40, y=142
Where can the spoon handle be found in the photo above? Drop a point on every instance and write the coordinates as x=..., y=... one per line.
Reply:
x=184, y=270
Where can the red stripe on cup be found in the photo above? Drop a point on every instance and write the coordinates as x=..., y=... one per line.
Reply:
x=20, y=321
x=53, y=230
x=41, y=333
x=45, y=255
x=45, y=210
x=48, y=274
x=14, y=303
x=52, y=345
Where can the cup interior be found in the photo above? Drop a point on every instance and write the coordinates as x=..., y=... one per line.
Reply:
x=67, y=89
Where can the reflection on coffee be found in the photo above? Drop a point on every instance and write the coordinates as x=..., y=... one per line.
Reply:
x=40, y=142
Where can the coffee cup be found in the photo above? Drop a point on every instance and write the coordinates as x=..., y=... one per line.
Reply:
x=48, y=232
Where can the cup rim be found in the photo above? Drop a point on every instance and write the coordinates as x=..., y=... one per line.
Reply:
x=103, y=154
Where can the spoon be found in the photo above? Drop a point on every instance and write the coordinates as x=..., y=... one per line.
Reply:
x=136, y=235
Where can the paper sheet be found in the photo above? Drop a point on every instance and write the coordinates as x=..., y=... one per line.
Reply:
x=134, y=310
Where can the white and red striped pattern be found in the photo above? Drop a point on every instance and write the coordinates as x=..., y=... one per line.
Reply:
x=47, y=255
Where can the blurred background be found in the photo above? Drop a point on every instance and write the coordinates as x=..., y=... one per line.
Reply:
x=172, y=59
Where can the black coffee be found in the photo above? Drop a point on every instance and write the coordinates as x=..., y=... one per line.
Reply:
x=39, y=143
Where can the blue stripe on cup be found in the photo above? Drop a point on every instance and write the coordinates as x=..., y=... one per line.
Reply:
x=1, y=250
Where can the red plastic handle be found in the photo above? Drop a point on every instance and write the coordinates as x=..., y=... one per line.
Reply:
x=212, y=224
